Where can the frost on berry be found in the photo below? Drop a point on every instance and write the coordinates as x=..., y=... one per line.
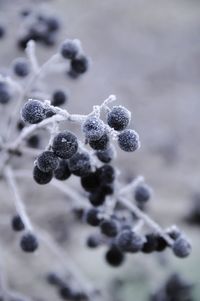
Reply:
x=128, y=140
x=181, y=247
x=129, y=241
x=93, y=128
x=33, y=111
x=47, y=161
x=80, y=164
x=41, y=177
x=65, y=145
x=119, y=118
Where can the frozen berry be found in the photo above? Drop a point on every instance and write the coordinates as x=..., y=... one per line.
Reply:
x=65, y=145
x=118, y=118
x=33, y=111
x=151, y=243
x=5, y=93
x=92, y=217
x=69, y=49
x=33, y=141
x=114, y=257
x=129, y=241
x=128, y=140
x=80, y=64
x=106, y=155
x=29, y=243
x=100, y=144
x=62, y=172
x=93, y=128
x=142, y=193
x=17, y=223
x=106, y=174
x=93, y=241
x=110, y=227
x=59, y=98
x=181, y=247
x=47, y=161
x=21, y=67
x=80, y=164
x=41, y=177
x=90, y=182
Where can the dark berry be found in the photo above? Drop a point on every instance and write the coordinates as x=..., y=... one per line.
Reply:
x=41, y=177
x=62, y=172
x=161, y=244
x=106, y=155
x=97, y=198
x=80, y=64
x=59, y=98
x=53, y=23
x=100, y=144
x=93, y=128
x=5, y=93
x=69, y=49
x=129, y=241
x=17, y=223
x=142, y=193
x=106, y=174
x=33, y=141
x=80, y=164
x=65, y=145
x=65, y=292
x=128, y=140
x=92, y=217
x=93, y=241
x=151, y=243
x=29, y=243
x=47, y=161
x=20, y=125
x=181, y=247
x=114, y=257
x=90, y=182
x=21, y=67
x=118, y=118
x=33, y=111
x=110, y=227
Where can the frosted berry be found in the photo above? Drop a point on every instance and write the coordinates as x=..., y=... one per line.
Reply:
x=17, y=223
x=92, y=217
x=80, y=164
x=93, y=128
x=128, y=140
x=21, y=67
x=33, y=111
x=90, y=182
x=93, y=241
x=80, y=64
x=114, y=257
x=106, y=155
x=106, y=174
x=47, y=161
x=62, y=172
x=69, y=49
x=129, y=241
x=100, y=144
x=5, y=93
x=29, y=243
x=181, y=247
x=151, y=243
x=65, y=145
x=142, y=193
x=118, y=118
x=110, y=227
x=41, y=177
x=59, y=98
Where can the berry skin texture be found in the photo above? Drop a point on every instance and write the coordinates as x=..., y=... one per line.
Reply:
x=59, y=98
x=65, y=145
x=41, y=177
x=97, y=198
x=80, y=164
x=47, y=161
x=90, y=182
x=142, y=193
x=93, y=128
x=181, y=247
x=80, y=64
x=69, y=49
x=106, y=174
x=128, y=140
x=62, y=172
x=92, y=217
x=100, y=144
x=29, y=243
x=106, y=155
x=118, y=118
x=5, y=93
x=17, y=223
x=151, y=243
x=110, y=227
x=33, y=111
x=21, y=67
x=114, y=257
x=129, y=241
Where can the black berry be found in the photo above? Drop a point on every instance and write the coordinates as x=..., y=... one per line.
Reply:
x=118, y=118
x=128, y=140
x=29, y=243
x=17, y=223
x=41, y=177
x=80, y=164
x=47, y=161
x=65, y=145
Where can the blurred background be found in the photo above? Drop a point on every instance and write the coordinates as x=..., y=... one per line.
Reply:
x=147, y=53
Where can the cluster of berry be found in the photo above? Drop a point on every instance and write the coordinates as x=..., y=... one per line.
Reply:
x=175, y=288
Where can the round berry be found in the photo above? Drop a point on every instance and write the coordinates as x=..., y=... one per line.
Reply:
x=93, y=241
x=5, y=93
x=118, y=118
x=59, y=98
x=142, y=193
x=47, y=161
x=69, y=49
x=53, y=23
x=151, y=243
x=128, y=140
x=41, y=177
x=129, y=241
x=33, y=111
x=33, y=141
x=114, y=257
x=65, y=145
x=90, y=182
x=80, y=64
x=80, y=164
x=110, y=227
x=93, y=128
x=181, y=247
x=62, y=172
x=106, y=174
x=100, y=144
x=29, y=243
x=65, y=292
x=92, y=217
x=21, y=67
x=106, y=155
x=17, y=223
x=97, y=198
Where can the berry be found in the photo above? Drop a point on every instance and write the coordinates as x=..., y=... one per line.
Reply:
x=69, y=49
x=20, y=125
x=118, y=118
x=2, y=31
x=128, y=140
x=62, y=172
x=97, y=198
x=106, y=174
x=181, y=247
x=33, y=141
x=90, y=182
x=47, y=161
x=80, y=164
x=106, y=155
x=174, y=232
x=65, y=145
x=142, y=193
x=100, y=144
x=29, y=243
x=17, y=223
x=80, y=64
x=109, y=227
x=65, y=292
x=33, y=111
x=161, y=244
x=53, y=279
x=93, y=241
x=92, y=217
x=21, y=67
x=41, y=177
x=129, y=241
x=59, y=98
x=151, y=243
x=93, y=128
x=114, y=256
x=5, y=93
x=53, y=23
